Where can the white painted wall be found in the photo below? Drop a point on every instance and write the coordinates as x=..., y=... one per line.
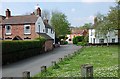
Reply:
x=111, y=36
x=52, y=35
x=42, y=26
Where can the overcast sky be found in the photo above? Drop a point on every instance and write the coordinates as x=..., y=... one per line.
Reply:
x=78, y=12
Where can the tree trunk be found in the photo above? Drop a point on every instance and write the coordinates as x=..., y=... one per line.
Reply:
x=107, y=41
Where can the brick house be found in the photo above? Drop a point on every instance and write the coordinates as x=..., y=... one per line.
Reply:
x=1, y=19
x=27, y=27
x=76, y=32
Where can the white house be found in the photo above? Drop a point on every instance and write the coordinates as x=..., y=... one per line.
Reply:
x=94, y=39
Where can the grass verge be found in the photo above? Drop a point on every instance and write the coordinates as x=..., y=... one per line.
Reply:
x=104, y=60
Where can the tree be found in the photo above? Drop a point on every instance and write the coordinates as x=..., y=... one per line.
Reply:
x=45, y=14
x=60, y=23
x=103, y=27
x=86, y=26
x=114, y=17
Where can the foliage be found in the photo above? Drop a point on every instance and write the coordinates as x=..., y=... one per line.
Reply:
x=104, y=61
x=103, y=26
x=63, y=42
x=81, y=43
x=78, y=39
x=17, y=50
x=60, y=23
x=114, y=15
x=86, y=26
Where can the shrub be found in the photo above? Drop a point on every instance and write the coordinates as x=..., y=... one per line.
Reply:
x=65, y=42
x=82, y=43
x=14, y=46
x=78, y=39
x=17, y=50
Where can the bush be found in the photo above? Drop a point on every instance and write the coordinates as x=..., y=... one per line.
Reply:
x=65, y=42
x=81, y=43
x=14, y=46
x=78, y=39
x=17, y=50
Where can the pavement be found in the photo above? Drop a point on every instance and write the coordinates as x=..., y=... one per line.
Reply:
x=33, y=64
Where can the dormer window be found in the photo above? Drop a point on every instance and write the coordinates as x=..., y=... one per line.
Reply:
x=27, y=29
x=8, y=29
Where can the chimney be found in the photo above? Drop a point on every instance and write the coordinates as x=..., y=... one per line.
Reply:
x=8, y=13
x=38, y=11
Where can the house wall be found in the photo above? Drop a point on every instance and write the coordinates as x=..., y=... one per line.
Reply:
x=18, y=30
x=52, y=35
x=42, y=26
x=48, y=45
x=95, y=40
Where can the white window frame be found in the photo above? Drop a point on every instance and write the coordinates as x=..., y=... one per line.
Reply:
x=52, y=31
x=6, y=29
x=25, y=28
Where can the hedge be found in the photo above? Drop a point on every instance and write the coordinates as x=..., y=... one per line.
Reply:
x=81, y=43
x=14, y=46
x=78, y=39
x=17, y=50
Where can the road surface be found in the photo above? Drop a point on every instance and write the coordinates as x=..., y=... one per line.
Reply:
x=33, y=64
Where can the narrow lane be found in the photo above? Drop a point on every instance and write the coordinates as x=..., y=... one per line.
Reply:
x=33, y=64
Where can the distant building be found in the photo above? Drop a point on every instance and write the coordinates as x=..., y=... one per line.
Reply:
x=94, y=39
x=75, y=32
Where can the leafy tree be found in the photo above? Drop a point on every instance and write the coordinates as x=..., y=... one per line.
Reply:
x=60, y=23
x=114, y=16
x=103, y=27
x=86, y=26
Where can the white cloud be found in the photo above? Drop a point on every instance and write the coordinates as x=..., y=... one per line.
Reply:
x=57, y=0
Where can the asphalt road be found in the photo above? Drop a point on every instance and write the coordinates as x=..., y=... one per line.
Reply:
x=33, y=64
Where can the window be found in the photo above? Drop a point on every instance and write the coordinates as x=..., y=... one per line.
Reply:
x=113, y=40
x=46, y=30
x=91, y=33
x=39, y=28
x=8, y=30
x=27, y=29
x=93, y=40
x=101, y=40
x=52, y=31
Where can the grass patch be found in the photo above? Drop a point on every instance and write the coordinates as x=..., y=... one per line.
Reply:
x=104, y=61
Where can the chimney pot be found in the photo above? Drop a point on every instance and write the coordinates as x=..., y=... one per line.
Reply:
x=8, y=13
x=38, y=11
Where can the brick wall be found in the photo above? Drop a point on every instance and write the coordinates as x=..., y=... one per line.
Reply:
x=18, y=30
x=48, y=45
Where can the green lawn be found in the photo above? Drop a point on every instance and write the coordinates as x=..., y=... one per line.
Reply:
x=104, y=61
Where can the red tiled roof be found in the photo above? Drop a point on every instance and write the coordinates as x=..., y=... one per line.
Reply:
x=21, y=19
